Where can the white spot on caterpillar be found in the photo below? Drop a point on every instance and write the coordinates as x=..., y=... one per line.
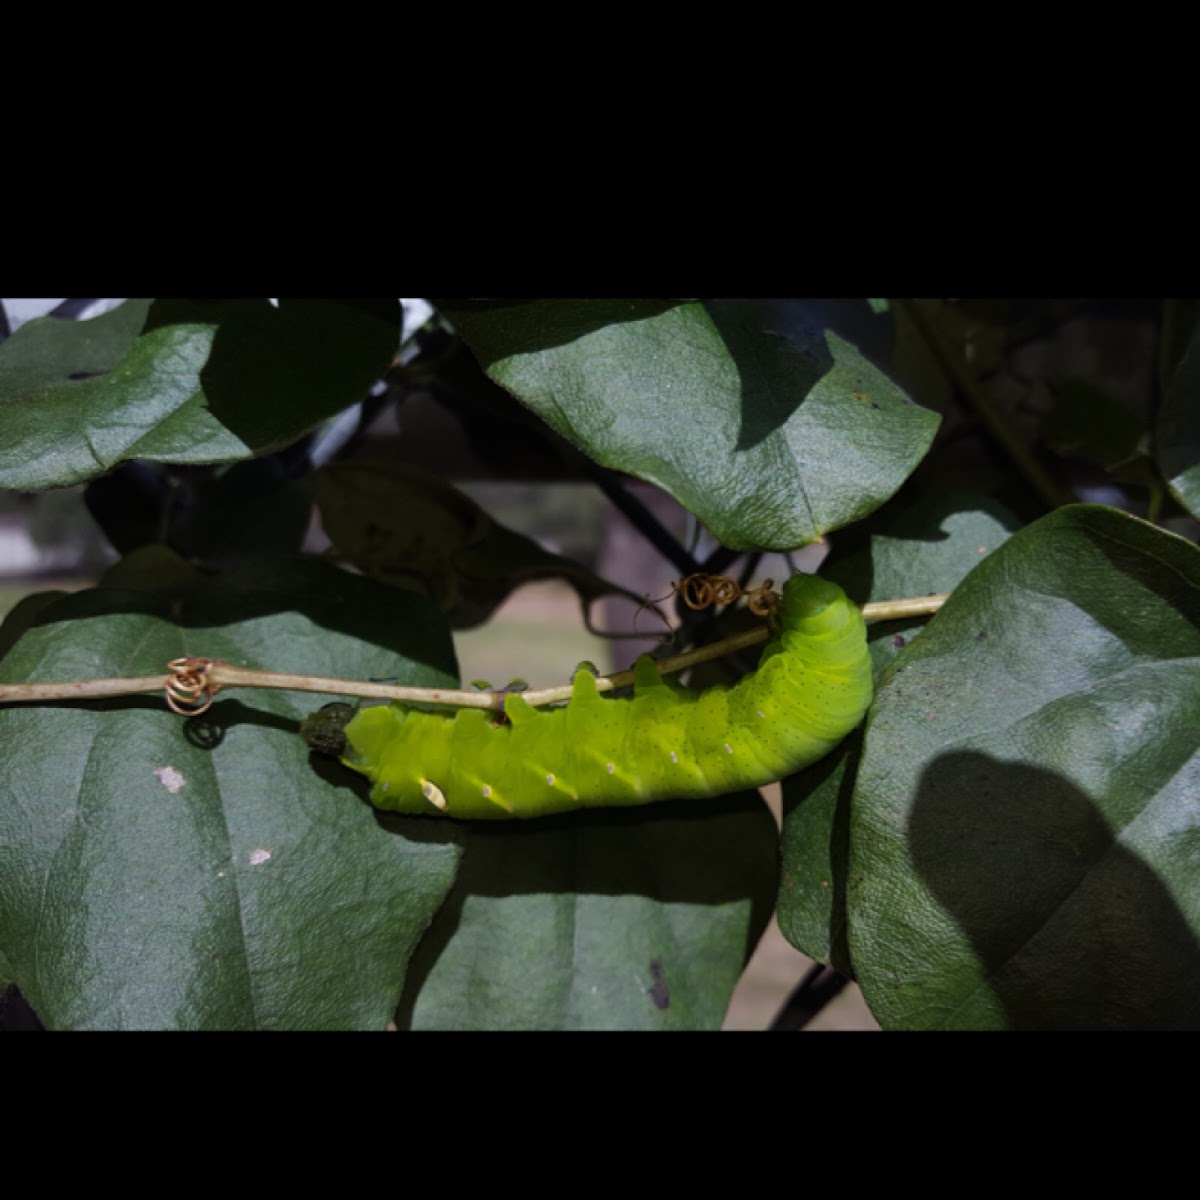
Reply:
x=169, y=778
x=728, y=748
x=761, y=713
x=674, y=756
x=550, y=780
x=611, y=768
x=434, y=795
x=487, y=791
x=386, y=785
x=258, y=857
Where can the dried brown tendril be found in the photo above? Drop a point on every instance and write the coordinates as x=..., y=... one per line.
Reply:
x=704, y=591
x=189, y=690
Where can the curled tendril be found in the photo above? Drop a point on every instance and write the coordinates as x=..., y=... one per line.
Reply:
x=763, y=601
x=704, y=591
x=189, y=689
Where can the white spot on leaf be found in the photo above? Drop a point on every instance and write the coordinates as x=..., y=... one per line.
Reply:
x=258, y=857
x=170, y=778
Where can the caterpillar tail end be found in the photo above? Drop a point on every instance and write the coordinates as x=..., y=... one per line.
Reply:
x=325, y=730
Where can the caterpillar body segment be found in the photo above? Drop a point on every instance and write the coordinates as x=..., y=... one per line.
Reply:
x=812, y=686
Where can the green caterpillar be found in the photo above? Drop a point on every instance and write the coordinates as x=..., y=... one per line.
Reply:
x=812, y=686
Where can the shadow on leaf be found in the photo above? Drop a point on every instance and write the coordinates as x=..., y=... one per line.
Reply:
x=1071, y=930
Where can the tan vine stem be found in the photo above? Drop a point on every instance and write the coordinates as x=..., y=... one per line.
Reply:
x=222, y=675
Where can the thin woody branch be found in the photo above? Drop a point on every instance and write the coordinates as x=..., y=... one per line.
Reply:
x=193, y=682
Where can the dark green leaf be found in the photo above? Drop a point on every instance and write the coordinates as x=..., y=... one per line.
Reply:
x=815, y=850
x=1180, y=319
x=22, y=615
x=770, y=440
x=407, y=527
x=980, y=331
x=162, y=874
x=1088, y=422
x=244, y=511
x=49, y=351
x=205, y=381
x=218, y=516
x=1178, y=434
x=599, y=920
x=927, y=548
x=1024, y=849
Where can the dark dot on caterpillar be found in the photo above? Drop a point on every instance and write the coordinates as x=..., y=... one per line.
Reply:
x=874, y=406
x=981, y=636
x=897, y=641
